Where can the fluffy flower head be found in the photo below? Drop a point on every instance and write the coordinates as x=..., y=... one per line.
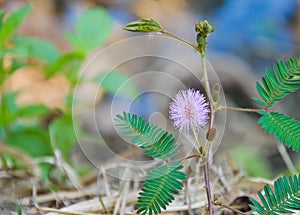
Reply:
x=189, y=109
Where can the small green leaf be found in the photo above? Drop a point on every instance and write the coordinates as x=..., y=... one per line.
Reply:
x=64, y=61
x=32, y=111
x=63, y=133
x=19, y=208
x=92, y=29
x=33, y=140
x=144, y=25
x=1, y=17
x=259, y=102
x=35, y=48
x=8, y=103
x=116, y=82
x=12, y=22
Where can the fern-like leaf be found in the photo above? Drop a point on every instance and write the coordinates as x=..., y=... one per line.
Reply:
x=285, y=128
x=275, y=86
x=284, y=199
x=161, y=184
x=156, y=142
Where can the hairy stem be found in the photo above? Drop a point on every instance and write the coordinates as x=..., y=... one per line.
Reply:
x=206, y=148
x=205, y=81
x=180, y=39
x=207, y=90
x=207, y=188
x=196, y=138
x=238, y=109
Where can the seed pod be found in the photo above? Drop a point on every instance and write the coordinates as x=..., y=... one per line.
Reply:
x=211, y=134
x=216, y=94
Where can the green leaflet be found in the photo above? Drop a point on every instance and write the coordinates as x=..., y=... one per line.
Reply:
x=116, y=82
x=285, y=128
x=284, y=199
x=13, y=21
x=160, y=186
x=92, y=29
x=35, y=141
x=275, y=86
x=30, y=47
x=156, y=142
x=64, y=62
x=144, y=25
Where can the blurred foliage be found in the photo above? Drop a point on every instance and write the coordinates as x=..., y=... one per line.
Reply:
x=251, y=162
x=36, y=128
x=115, y=82
x=11, y=23
x=29, y=47
x=90, y=33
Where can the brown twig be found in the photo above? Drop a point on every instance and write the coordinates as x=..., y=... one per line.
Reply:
x=229, y=208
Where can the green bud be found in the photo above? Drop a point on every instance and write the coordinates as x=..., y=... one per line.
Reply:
x=144, y=25
x=216, y=197
x=204, y=28
x=201, y=40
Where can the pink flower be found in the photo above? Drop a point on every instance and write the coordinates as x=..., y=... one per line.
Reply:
x=189, y=110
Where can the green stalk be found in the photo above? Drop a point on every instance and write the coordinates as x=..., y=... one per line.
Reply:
x=2, y=98
x=204, y=28
x=179, y=38
x=208, y=142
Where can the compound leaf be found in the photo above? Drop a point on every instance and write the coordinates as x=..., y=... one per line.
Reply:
x=161, y=184
x=284, y=199
x=156, y=142
x=285, y=128
x=276, y=85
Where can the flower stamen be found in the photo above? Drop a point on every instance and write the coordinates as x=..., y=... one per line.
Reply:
x=189, y=110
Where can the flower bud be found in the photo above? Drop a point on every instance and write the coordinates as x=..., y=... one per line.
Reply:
x=204, y=28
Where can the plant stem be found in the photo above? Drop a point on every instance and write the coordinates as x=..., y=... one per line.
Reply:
x=238, y=109
x=207, y=90
x=286, y=158
x=192, y=156
x=211, y=120
x=207, y=188
x=3, y=104
x=196, y=138
x=180, y=39
x=206, y=148
x=229, y=208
